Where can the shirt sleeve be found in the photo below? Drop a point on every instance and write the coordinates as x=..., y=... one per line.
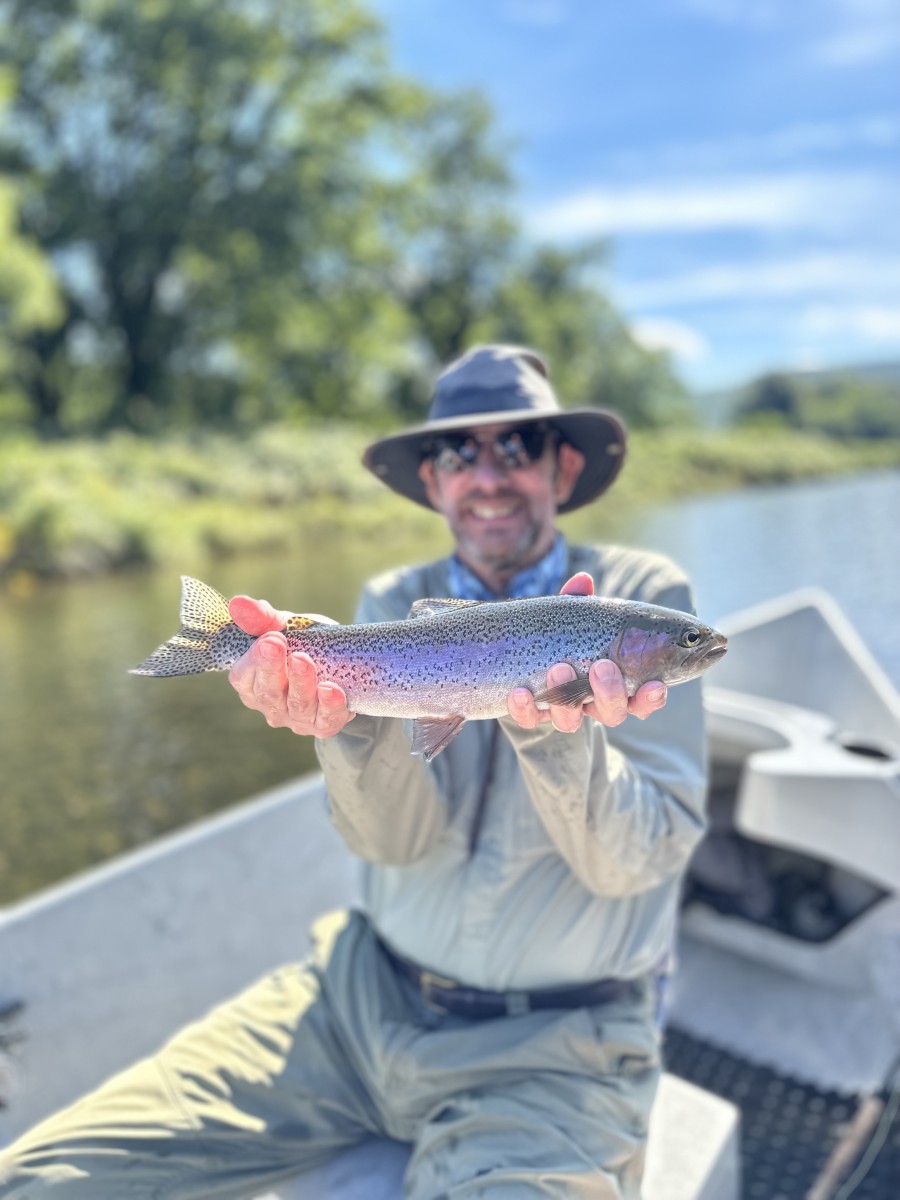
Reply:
x=382, y=800
x=624, y=807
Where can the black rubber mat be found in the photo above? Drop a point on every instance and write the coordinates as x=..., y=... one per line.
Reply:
x=789, y=1129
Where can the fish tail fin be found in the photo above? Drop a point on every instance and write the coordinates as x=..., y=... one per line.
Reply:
x=208, y=639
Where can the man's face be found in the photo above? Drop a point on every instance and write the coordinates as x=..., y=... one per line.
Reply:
x=502, y=517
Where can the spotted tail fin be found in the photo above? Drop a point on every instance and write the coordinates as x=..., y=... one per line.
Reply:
x=208, y=639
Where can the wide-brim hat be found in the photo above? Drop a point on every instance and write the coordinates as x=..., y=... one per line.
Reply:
x=508, y=384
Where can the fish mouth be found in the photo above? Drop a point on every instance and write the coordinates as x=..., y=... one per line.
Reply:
x=715, y=651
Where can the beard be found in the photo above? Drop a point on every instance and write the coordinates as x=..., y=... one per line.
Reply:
x=503, y=551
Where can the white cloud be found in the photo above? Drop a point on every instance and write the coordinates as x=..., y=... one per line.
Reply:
x=857, y=32
x=842, y=273
x=775, y=201
x=858, y=47
x=877, y=131
x=664, y=333
x=869, y=323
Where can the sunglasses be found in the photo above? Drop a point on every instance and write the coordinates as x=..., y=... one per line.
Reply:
x=513, y=449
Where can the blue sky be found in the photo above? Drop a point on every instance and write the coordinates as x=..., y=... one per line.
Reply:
x=741, y=156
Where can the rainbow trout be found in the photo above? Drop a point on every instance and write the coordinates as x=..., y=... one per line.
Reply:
x=456, y=660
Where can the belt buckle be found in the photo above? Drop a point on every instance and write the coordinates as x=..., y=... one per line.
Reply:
x=427, y=981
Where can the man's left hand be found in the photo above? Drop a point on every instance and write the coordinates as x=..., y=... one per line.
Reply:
x=611, y=703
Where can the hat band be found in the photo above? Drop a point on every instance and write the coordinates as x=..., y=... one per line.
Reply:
x=472, y=402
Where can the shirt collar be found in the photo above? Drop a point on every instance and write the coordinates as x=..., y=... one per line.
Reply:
x=543, y=578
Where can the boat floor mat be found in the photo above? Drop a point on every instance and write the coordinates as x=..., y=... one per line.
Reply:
x=790, y=1129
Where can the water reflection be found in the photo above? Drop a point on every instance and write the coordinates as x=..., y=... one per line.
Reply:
x=96, y=760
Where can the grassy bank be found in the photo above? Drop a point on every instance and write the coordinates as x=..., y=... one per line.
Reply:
x=83, y=507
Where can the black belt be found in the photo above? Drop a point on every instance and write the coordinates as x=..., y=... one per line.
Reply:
x=449, y=996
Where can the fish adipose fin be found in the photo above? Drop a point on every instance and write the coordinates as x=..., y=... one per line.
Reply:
x=574, y=693
x=208, y=639
x=433, y=608
x=431, y=735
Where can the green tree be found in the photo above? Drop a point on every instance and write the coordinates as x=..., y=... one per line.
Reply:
x=30, y=309
x=195, y=170
x=250, y=216
x=836, y=403
x=775, y=396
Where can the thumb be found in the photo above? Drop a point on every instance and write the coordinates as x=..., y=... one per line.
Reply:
x=579, y=585
x=256, y=616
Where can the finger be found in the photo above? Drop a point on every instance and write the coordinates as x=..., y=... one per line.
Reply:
x=563, y=717
x=332, y=713
x=302, y=696
x=610, y=703
x=579, y=585
x=242, y=675
x=648, y=699
x=256, y=616
x=523, y=709
x=270, y=678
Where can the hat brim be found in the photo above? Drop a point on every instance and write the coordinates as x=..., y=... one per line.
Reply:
x=599, y=435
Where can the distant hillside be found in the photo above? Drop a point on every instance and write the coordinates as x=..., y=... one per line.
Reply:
x=716, y=408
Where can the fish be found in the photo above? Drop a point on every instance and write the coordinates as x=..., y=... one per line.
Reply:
x=452, y=660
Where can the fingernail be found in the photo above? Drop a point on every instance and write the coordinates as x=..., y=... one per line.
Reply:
x=560, y=674
x=606, y=669
x=327, y=694
x=520, y=697
x=270, y=650
x=655, y=695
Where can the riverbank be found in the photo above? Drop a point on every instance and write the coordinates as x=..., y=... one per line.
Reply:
x=82, y=508
x=96, y=761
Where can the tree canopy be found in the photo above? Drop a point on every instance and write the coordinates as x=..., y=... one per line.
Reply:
x=841, y=404
x=232, y=212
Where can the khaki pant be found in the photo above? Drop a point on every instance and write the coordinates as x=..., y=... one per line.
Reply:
x=315, y=1057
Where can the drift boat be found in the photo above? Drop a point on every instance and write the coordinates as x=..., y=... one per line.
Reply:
x=782, y=1041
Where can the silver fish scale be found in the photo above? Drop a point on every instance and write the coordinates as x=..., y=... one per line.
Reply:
x=468, y=659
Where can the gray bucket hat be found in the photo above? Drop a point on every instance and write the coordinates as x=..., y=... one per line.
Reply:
x=509, y=384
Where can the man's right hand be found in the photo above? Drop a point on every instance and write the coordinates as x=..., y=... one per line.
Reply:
x=282, y=685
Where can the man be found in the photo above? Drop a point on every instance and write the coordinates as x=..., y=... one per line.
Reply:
x=495, y=1004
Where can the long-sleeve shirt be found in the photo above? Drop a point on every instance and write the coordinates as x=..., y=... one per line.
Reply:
x=575, y=872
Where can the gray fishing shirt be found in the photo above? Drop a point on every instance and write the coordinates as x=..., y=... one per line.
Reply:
x=584, y=836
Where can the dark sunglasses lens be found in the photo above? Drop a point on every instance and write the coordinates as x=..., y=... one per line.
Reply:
x=515, y=448
x=454, y=452
x=519, y=447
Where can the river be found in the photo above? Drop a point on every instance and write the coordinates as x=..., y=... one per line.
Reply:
x=96, y=761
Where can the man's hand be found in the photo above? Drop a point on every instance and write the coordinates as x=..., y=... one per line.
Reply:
x=611, y=703
x=283, y=686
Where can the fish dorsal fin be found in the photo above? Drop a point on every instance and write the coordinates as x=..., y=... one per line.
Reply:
x=433, y=734
x=202, y=607
x=433, y=608
x=307, y=620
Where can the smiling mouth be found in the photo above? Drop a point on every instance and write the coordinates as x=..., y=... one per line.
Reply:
x=492, y=512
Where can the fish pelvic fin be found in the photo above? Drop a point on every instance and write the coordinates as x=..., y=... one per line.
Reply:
x=431, y=735
x=208, y=639
x=573, y=694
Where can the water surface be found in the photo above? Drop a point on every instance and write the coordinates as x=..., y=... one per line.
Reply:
x=96, y=760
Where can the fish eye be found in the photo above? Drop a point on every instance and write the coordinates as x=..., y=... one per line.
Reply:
x=690, y=637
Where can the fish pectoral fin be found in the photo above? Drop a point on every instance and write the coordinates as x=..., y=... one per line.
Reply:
x=432, y=608
x=573, y=694
x=431, y=735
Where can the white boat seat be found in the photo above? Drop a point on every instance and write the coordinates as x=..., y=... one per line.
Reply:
x=693, y=1154
x=808, y=785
